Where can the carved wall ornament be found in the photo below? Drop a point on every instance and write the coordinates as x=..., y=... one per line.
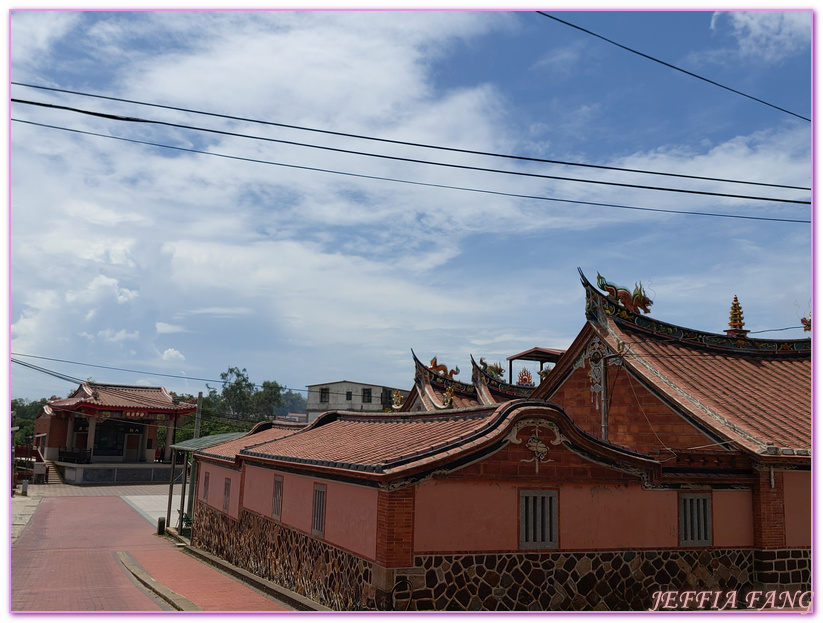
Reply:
x=596, y=353
x=534, y=444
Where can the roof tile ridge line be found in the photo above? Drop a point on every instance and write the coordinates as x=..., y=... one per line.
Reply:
x=568, y=359
x=260, y=443
x=652, y=371
x=455, y=443
x=588, y=437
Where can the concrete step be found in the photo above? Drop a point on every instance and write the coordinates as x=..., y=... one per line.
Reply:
x=54, y=475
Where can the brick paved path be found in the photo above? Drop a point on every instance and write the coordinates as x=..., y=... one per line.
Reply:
x=66, y=560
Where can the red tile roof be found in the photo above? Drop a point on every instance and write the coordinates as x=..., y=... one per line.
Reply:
x=228, y=451
x=374, y=443
x=121, y=397
x=754, y=393
x=394, y=447
x=761, y=402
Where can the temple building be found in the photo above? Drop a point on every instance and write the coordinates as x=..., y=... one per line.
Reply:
x=98, y=426
x=650, y=458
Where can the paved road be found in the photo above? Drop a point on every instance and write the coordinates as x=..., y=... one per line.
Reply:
x=75, y=552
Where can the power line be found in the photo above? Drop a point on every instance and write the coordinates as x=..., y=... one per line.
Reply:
x=670, y=66
x=404, y=159
x=414, y=183
x=408, y=143
x=92, y=365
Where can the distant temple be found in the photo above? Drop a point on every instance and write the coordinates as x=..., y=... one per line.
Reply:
x=108, y=433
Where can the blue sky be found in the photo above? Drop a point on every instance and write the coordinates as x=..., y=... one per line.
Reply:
x=183, y=264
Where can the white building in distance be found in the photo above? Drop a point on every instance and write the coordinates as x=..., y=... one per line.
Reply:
x=349, y=396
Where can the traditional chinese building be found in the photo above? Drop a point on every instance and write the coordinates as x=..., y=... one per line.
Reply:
x=651, y=458
x=109, y=424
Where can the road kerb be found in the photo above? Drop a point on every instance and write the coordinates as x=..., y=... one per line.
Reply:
x=178, y=602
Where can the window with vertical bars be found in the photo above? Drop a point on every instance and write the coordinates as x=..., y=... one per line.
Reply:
x=205, y=486
x=318, y=513
x=695, y=519
x=277, y=498
x=226, y=495
x=538, y=519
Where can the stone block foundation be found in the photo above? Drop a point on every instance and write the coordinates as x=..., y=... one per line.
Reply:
x=564, y=581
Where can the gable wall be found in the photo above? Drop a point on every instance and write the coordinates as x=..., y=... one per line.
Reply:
x=637, y=418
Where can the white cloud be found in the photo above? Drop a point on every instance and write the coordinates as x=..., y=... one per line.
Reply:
x=247, y=263
x=770, y=36
x=99, y=289
x=109, y=335
x=34, y=32
x=164, y=327
x=171, y=354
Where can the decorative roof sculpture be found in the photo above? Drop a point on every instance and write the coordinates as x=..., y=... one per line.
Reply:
x=754, y=394
x=736, y=323
x=635, y=301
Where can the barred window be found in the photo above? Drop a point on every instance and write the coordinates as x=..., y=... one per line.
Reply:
x=324, y=394
x=205, y=486
x=538, y=519
x=277, y=498
x=695, y=519
x=318, y=514
x=226, y=494
x=366, y=394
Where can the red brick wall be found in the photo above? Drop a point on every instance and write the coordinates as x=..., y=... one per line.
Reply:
x=768, y=511
x=515, y=460
x=395, y=528
x=637, y=419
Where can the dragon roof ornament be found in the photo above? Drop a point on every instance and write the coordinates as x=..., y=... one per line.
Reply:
x=601, y=306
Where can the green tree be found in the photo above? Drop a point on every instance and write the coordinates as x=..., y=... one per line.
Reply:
x=268, y=399
x=25, y=413
x=237, y=395
x=292, y=403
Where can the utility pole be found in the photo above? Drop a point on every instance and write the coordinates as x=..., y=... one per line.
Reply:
x=192, y=492
x=14, y=429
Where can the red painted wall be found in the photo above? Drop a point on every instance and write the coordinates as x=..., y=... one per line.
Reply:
x=298, y=497
x=258, y=490
x=607, y=516
x=732, y=519
x=217, y=480
x=465, y=516
x=351, y=512
x=797, y=491
x=351, y=518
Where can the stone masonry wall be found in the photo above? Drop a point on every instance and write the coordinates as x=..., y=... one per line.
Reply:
x=783, y=567
x=568, y=580
x=560, y=581
x=296, y=561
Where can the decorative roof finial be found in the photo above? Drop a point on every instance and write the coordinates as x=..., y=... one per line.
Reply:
x=736, y=320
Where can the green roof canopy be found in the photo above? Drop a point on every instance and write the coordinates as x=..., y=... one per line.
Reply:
x=193, y=445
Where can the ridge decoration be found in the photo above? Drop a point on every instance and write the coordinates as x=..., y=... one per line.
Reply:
x=635, y=301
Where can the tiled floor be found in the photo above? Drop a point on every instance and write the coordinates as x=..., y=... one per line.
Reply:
x=66, y=558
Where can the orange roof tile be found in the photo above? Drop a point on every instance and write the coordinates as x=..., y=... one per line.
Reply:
x=228, y=451
x=374, y=443
x=125, y=397
x=755, y=393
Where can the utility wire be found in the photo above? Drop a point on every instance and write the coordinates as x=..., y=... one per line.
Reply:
x=426, y=184
x=407, y=143
x=669, y=65
x=92, y=365
x=403, y=159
